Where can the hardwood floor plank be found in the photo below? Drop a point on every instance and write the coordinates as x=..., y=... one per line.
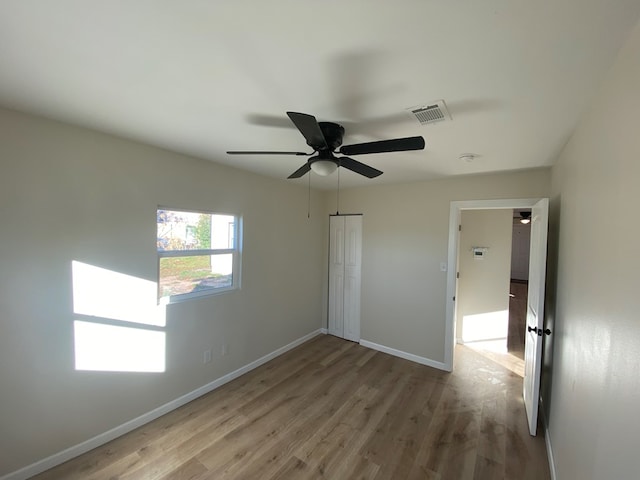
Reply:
x=365, y=358
x=187, y=445
x=420, y=472
x=312, y=413
x=333, y=356
x=293, y=468
x=336, y=432
x=397, y=438
x=492, y=440
x=358, y=468
x=190, y=470
x=306, y=415
x=99, y=465
x=332, y=409
x=486, y=468
x=462, y=451
x=332, y=447
x=112, y=470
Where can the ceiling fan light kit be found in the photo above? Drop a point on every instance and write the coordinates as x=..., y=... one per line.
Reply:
x=325, y=138
x=525, y=217
x=324, y=167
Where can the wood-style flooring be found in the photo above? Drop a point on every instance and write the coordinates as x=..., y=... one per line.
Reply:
x=332, y=409
x=509, y=352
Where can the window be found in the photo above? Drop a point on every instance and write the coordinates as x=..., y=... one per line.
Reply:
x=198, y=254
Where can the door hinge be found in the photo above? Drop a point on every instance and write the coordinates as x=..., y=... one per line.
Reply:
x=457, y=274
x=454, y=299
x=459, y=228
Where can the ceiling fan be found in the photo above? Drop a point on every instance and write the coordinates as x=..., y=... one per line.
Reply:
x=326, y=139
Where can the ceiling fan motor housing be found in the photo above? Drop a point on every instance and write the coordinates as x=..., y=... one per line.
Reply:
x=324, y=155
x=333, y=134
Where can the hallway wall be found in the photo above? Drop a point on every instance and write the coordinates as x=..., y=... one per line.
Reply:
x=483, y=287
x=592, y=397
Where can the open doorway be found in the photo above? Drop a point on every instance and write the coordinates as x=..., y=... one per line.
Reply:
x=519, y=282
x=535, y=291
x=492, y=271
x=455, y=216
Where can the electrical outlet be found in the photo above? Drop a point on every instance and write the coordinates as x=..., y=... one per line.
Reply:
x=225, y=349
x=206, y=356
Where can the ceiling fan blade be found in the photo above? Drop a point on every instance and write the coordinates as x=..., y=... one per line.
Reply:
x=395, y=145
x=281, y=122
x=361, y=168
x=309, y=128
x=269, y=120
x=243, y=152
x=301, y=171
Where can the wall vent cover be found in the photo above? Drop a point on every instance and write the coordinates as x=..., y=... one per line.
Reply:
x=431, y=113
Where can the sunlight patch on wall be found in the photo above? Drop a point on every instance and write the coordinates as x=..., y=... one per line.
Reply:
x=104, y=293
x=101, y=347
x=120, y=329
x=481, y=327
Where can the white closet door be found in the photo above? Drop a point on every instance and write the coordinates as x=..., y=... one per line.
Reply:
x=345, y=255
x=336, y=276
x=352, y=276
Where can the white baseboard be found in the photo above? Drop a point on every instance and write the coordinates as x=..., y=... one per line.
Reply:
x=407, y=356
x=72, y=452
x=547, y=441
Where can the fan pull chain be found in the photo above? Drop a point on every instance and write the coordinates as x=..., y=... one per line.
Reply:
x=338, y=194
x=309, y=198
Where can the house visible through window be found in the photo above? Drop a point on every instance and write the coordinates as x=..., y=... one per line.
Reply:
x=198, y=253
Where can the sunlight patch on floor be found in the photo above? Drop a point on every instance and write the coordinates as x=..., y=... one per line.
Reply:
x=496, y=350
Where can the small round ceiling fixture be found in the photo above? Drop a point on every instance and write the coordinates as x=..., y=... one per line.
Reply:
x=468, y=157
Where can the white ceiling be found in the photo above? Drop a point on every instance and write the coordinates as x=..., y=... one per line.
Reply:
x=202, y=77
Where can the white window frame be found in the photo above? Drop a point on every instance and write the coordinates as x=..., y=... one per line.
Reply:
x=235, y=252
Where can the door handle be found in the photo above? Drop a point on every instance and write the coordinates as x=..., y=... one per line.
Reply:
x=538, y=331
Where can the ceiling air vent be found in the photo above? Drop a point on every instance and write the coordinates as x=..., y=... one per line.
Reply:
x=433, y=113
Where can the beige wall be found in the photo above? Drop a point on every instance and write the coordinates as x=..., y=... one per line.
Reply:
x=72, y=194
x=404, y=239
x=482, y=300
x=592, y=387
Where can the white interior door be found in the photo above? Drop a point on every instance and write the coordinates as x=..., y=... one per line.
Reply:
x=535, y=311
x=345, y=254
x=352, y=277
x=335, y=324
